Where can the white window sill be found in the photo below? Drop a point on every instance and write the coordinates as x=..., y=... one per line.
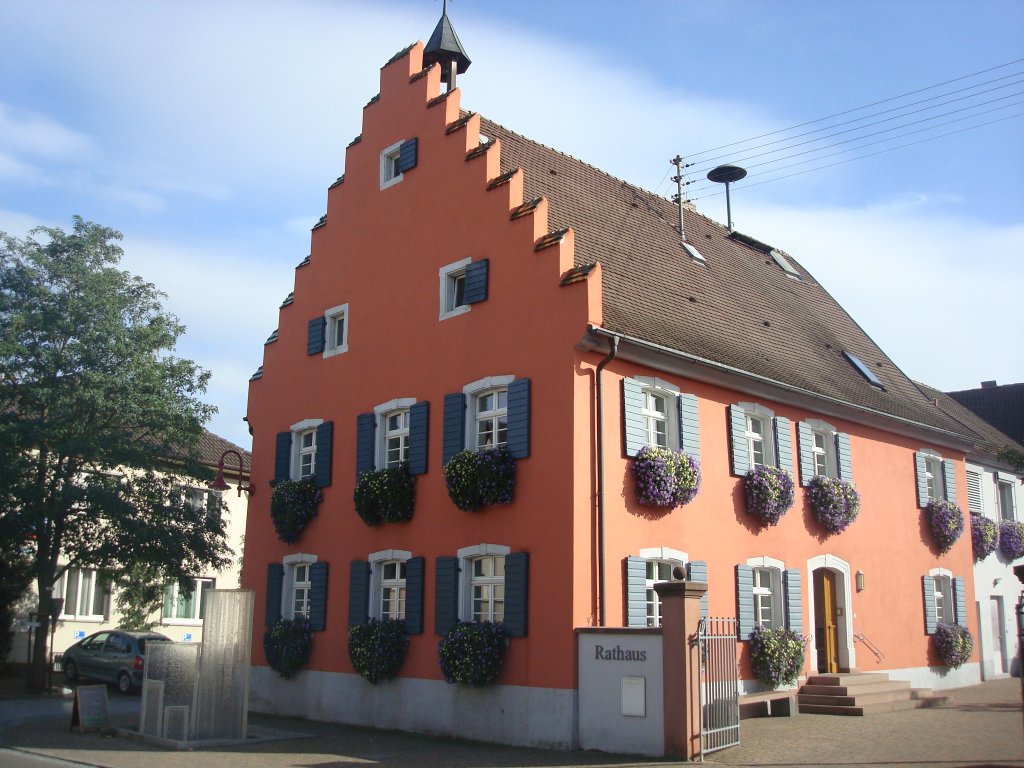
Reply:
x=455, y=312
x=182, y=622
x=335, y=351
x=87, y=619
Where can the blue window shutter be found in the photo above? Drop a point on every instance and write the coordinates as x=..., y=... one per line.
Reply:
x=949, y=478
x=476, y=281
x=634, y=434
x=636, y=592
x=316, y=335
x=697, y=570
x=740, y=454
x=407, y=155
x=745, y=600
x=794, y=599
x=318, y=596
x=324, y=453
x=843, y=458
x=454, y=425
x=921, y=473
x=283, y=457
x=358, y=593
x=366, y=425
x=517, y=587
x=419, y=419
x=414, y=571
x=928, y=588
x=689, y=427
x=960, y=599
x=446, y=594
x=275, y=582
x=805, y=440
x=783, y=444
x=519, y=418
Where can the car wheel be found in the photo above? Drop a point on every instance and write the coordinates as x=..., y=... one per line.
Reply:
x=70, y=671
x=124, y=682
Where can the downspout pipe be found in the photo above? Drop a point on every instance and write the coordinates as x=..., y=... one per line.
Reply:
x=612, y=352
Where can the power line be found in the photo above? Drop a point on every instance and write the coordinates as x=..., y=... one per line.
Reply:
x=857, y=109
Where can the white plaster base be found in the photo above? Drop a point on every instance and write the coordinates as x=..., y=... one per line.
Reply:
x=504, y=714
x=938, y=678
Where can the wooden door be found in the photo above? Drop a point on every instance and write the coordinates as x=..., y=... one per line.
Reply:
x=825, y=621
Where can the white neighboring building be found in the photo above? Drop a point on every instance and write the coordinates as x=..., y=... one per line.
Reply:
x=89, y=606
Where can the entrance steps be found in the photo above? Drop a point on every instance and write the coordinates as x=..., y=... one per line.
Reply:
x=860, y=693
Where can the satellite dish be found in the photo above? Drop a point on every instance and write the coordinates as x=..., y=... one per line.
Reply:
x=726, y=174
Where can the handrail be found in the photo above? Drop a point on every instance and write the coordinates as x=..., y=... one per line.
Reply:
x=870, y=645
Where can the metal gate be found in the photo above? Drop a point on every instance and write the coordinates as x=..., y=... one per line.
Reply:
x=719, y=685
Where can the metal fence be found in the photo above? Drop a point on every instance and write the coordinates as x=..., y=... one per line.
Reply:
x=719, y=685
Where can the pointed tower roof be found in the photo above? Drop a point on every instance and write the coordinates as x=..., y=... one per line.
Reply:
x=444, y=46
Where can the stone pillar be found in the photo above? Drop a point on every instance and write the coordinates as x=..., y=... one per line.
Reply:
x=680, y=614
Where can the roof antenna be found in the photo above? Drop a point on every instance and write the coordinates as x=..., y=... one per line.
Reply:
x=726, y=174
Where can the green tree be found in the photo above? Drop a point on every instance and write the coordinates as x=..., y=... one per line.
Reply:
x=99, y=421
x=1014, y=457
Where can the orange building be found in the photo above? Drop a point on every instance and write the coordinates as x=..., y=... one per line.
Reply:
x=469, y=288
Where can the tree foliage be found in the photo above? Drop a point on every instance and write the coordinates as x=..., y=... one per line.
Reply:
x=99, y=421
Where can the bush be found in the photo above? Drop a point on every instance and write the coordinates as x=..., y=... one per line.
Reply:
x=835, y=503
x=946, y=522
x=769, y=493
x=287, y=645
x=385, y=495
x=665, y=478
x=472, y=652
x=478, y=479
x=777, y=654
x=1011, y=539
x=293, y=504
x=984, y=536
x=377, y=649
x=953, y=643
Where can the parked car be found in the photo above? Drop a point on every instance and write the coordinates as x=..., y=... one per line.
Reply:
x=114, y=656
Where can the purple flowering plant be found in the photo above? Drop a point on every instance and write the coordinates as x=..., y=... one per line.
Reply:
x=471, y=652
x=385, y=495
x=478, y=479
x=953, y=643
x=835, y=503
x=1011, y=539
x=984, y=536
x=946, y=522
x=777, y=654
x=769, y=493
x=664, y=477
x=287, y=645
x=377, y=648
x=293, y=504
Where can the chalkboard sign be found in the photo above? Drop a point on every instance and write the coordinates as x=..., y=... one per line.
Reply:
x=90, y=712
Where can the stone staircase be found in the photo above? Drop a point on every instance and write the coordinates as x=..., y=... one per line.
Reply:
x=860, y=693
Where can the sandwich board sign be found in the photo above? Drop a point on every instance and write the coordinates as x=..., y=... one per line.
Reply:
x=90, y=712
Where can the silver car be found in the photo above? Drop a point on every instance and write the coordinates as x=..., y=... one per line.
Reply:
x=113, y=656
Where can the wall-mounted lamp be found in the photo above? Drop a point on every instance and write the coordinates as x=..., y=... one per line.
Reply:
x=860, y=581
x=221, y=485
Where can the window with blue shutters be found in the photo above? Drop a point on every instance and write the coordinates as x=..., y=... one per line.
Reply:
x=396, y=160
x=394, y=434
x=463, y=283
x=769, y=594
x=489, y=413
x=297, y=588
x=944, y=598
x=390, y=586
x=655, y=413
x=335, y=330
x=315, y=335
x=306, y=450
x=823, y=451
x=655, y=564
x=485, y=582
x=758, y=438
x=935, y=477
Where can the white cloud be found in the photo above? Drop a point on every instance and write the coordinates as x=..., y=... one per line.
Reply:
x=30, y=133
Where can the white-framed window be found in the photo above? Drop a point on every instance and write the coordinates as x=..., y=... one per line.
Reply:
x=823, y=449
x=933, y=477
x=758, y=439
x=483, y=582
x=391, y=436
x=656, y=417
x=453, y=289
x=1006, y=505
x=658, y=567
x=336, y=330
x=297, y=585
x=304, y=448
x=490, y=414
x=85, y=595
x=181, y=608
x=942, y=590
x=389, y=173
x=203, y=500
x=388, y=583
x=768, y=597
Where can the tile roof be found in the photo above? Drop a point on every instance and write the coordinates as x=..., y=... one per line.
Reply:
x=211, y=447
x=740, y=309
x=1001, y=406
x=988, y=439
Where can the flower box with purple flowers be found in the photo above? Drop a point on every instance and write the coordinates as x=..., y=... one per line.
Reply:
x=477, y=479
x=471, y=652
x=293, y=504
x=984, y=536
x=953, y=643
x=287, y=645
x=664, y=477
x=769, y=493
x=777, y=654
x=377, y=648
x=946, y=522
x=385, y=495
x=1011, y=539
x=835, y=503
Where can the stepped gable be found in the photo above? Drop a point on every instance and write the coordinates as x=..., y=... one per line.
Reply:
x=741, y=310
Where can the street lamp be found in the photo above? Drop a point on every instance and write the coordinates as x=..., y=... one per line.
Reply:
x=221, y=485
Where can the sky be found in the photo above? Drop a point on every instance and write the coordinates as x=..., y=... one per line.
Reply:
x=208, y=132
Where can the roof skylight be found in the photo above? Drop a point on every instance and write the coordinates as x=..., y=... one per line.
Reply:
x=863, y=370
x=694, y=253
x=783, y=262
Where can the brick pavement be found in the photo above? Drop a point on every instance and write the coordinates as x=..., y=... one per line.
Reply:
x=978, y=726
